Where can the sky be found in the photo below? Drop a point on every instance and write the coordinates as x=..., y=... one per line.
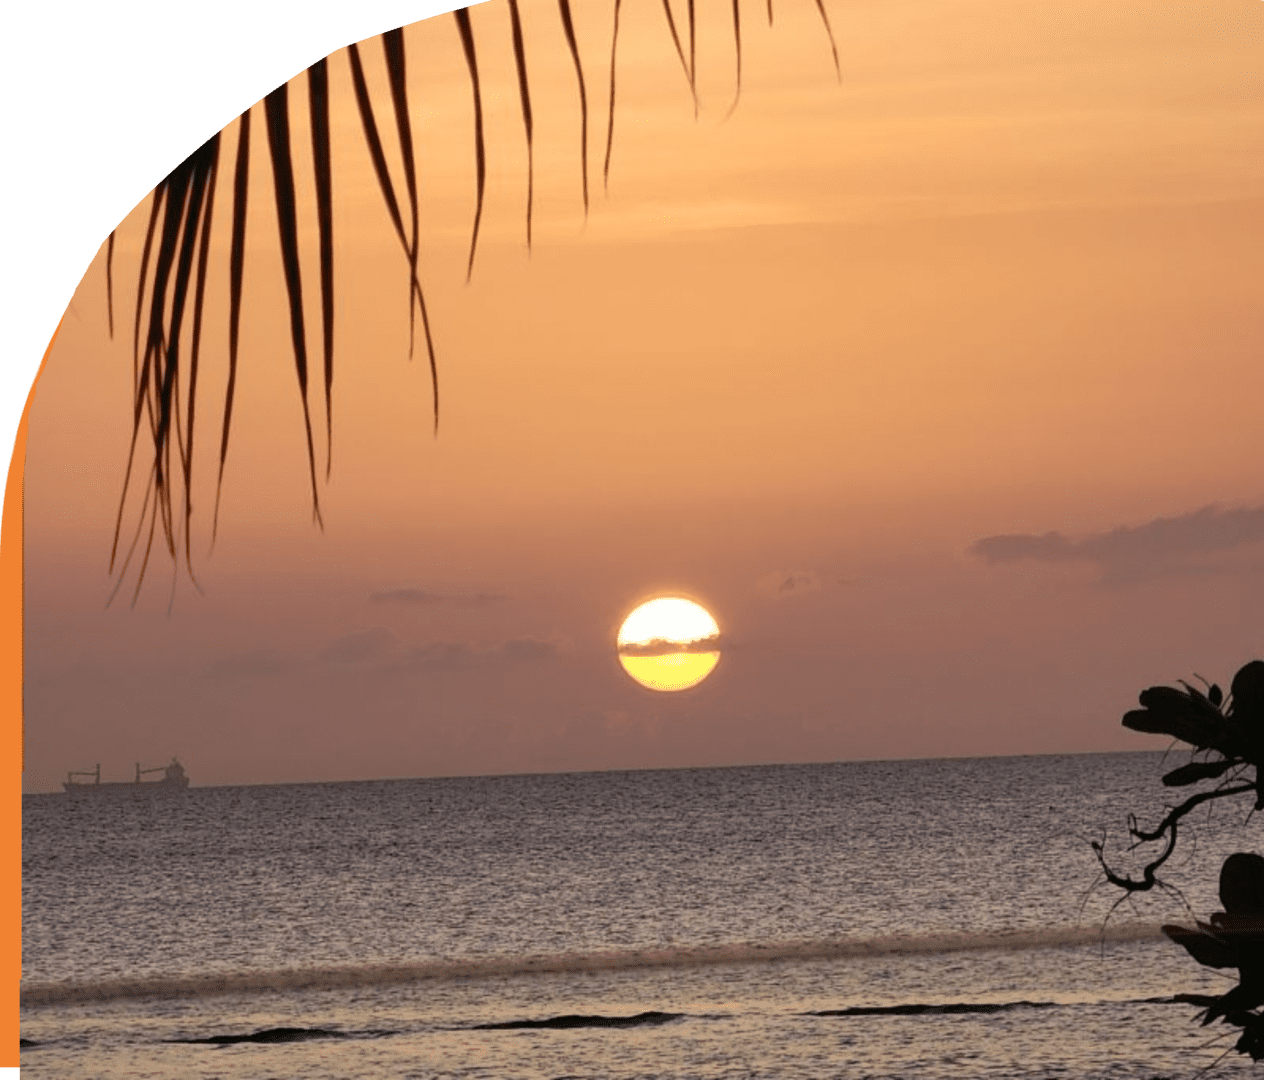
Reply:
x=936, y=382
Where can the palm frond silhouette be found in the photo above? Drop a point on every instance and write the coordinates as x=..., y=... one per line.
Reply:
x=167, y=338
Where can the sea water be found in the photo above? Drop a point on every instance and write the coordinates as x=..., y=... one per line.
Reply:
x=920, y=919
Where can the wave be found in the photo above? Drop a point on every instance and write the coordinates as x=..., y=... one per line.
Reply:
x=328, y=978
x=913, y=1009
x=572, y=1021
x=652, y=1019
x=281, y=1035
x=921, y=1010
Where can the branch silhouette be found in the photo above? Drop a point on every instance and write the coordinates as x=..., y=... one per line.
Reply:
x=1231, y=731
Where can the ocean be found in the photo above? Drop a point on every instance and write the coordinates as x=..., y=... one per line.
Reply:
x=914, y=919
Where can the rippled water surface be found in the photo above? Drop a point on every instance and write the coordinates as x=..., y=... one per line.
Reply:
x=781, y=921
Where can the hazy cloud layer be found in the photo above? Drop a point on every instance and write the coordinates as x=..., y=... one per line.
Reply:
x=412, y=594
x=361, y=645
x=254, y=664
x=1164, y=547
x=464, y=656
x=377, y=649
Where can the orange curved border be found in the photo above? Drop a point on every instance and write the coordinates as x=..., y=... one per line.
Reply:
x=11, y=735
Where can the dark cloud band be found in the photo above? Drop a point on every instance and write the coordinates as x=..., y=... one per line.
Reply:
x=1164, y=547
x=425, y=597
x=663, y=647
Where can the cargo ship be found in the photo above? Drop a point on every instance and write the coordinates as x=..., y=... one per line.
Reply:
x=174, y=778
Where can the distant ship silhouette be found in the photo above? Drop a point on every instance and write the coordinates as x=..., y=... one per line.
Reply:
x=174, y=779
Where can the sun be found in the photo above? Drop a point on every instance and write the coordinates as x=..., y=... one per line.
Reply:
x=669, y=644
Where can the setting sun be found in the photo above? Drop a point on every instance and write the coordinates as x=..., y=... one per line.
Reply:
x=669, y=644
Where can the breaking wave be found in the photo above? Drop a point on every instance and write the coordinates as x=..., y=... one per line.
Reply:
x=922, y=1010
x=321, y=978
x=563, y=1023
x=282, y=1035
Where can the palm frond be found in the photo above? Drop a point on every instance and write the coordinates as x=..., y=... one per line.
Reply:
x=737, y=52
x=568, y=25
x=393, y=49
x=829, y=32
x=374, y=141
x=693, y=44
x=277, y=113
x=680, y=52
x=236, y=268
x=175, y=258
x=318, y=106
x=614, y=49
x=109, y=281
x=524, y=93
x=154, y=209
x=480, y=153
x=184, y=202
x=199, y=299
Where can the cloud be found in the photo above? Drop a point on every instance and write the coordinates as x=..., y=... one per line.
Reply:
x=439, y=656
x=412, y=594
x=1164, y=547
x=1010, y=547
x=463, y=656
x=663, y=647
x=528, y=650
x=783, y=583
x=360, y=645
x=255, y=664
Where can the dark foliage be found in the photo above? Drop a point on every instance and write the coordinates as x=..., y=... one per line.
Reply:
x=1228, y=734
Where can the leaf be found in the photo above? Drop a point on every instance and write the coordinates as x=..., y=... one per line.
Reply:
x=195, y=346
x=737, y=48
x=109, y=281
x=1188, y=717
x=146, y=251
x=829, y=31
x=1163, y=697
x=236, y=266
x=1241, y=892
x=1195, y=771
x=137, y=389
x=680, y=52
x=318, y=107
x=1248, y=693
x=183, y=201
x=1163, y=722
x=614, y=46
x=568, y=26
x=693, y=43
x=524, y=93
x=393, y=48
x=1203, y=1001
x=155, y=385
x=480, y=156
x=369, y=123
x=277, y=114
x=1241, y=998
x=1207, y=950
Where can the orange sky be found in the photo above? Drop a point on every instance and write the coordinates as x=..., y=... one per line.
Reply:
x=1002, y=279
